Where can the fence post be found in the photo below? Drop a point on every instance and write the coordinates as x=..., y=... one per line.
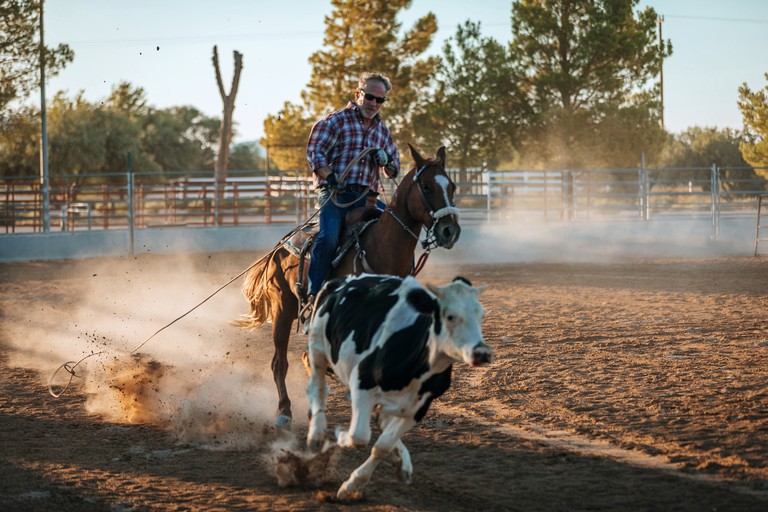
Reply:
x=568, y=203
x=488, y=200
x=645, y=207
x=131, y=203
x=715, y=187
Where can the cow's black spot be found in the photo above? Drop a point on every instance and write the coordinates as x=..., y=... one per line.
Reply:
x=436, y=385
x=366, y=302
x=402, y=358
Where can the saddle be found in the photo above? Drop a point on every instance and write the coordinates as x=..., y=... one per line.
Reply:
x=356, y=222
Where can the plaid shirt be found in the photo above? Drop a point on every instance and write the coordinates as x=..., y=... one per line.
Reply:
x=338, y=138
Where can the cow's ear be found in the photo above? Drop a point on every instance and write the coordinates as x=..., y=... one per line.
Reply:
x=422, y=301
x=434, y=289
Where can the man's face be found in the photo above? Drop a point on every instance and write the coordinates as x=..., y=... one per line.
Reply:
x=374, y=89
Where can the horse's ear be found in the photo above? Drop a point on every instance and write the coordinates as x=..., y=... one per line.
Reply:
x=416, y=156
x=441, y=155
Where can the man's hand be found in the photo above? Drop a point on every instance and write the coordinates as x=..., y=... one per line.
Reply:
x=334, y=182
x=390, y=170
x=380, y=157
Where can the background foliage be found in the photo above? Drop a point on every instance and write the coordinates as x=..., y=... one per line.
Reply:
x=577, y=86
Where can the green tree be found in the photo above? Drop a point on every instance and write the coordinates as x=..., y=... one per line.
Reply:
x=96, y=138
x=690, y=154
x=754, y=111
x=477, y=110
x=19, y=142
x=703, y=146
x=585, y=62
x=128, y=99
x=177, y=139
x=246, y=156
x=286, y=137
x=78, y=136
x=20, y=50
x=362, y=36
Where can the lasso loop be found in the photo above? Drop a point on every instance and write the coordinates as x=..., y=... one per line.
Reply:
x=69, y=367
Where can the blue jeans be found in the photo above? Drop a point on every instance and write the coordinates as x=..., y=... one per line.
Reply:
x=328, y=237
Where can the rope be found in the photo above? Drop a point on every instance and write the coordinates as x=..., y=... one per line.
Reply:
x=70, y=366
x=344, y=173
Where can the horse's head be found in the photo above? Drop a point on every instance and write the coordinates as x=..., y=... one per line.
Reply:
x=430, y=199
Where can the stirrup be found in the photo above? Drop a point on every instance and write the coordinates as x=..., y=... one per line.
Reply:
x=306, y=312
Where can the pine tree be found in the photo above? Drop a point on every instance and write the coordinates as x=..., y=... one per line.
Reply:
x=585, y=61
x=754, y=110
x=20, y=51
x=362, y=36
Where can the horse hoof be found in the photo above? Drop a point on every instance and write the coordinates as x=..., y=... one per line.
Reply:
x=284, y=422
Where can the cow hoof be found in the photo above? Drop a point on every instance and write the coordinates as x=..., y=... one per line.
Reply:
x=315, y=442
x=405, y=476
x=347, y=491
x=283, y=422
x=341, y=435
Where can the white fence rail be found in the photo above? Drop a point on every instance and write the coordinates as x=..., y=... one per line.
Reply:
x=147, y=200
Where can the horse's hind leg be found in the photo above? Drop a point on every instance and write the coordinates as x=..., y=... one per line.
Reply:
x=281, y=333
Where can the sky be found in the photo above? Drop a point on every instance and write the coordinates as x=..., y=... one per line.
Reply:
x=165, y=47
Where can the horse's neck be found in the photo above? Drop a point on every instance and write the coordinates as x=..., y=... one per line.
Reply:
x=389, y=247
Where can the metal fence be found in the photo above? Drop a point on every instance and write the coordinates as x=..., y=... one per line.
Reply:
x=147, y=200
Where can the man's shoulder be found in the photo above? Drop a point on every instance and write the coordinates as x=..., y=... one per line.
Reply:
x=350, y=110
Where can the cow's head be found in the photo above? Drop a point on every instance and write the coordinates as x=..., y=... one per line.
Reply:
x=458, y=322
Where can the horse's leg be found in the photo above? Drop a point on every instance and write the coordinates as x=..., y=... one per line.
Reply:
x=281, y=333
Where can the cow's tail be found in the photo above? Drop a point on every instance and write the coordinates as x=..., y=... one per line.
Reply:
x=254, y=289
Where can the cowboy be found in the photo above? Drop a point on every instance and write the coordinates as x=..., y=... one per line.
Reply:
x=333, y=152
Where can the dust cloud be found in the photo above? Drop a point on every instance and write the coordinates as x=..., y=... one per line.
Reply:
x=206, y=381
x=521, y=239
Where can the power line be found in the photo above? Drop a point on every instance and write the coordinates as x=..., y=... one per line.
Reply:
x=712, y=18
x=195, y=39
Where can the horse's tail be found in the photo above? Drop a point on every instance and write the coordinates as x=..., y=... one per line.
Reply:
x=254, y=288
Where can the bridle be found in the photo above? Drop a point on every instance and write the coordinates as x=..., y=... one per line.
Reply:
x=430, y=240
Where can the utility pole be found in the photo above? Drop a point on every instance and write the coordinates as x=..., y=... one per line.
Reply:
x=44, y=135
x=659, y=21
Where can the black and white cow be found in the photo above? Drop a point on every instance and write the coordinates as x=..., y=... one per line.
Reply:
x=392, y=342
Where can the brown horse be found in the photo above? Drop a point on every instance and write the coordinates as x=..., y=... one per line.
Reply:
x=424, y=198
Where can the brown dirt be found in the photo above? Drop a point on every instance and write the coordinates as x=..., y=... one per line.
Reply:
x=634, y=385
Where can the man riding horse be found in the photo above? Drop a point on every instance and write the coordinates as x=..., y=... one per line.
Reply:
x=345, y=151
x=335, y=144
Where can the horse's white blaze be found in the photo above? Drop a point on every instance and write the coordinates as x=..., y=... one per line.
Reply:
x=443, y=181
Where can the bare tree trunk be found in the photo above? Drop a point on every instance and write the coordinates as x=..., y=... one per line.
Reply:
x=225, y=130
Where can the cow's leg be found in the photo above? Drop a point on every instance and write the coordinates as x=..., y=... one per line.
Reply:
x=359, y=433
x=401, y=457
x=281, y=332
x=317, y=394
x=386, y=442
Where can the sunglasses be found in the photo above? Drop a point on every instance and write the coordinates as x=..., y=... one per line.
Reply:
x=370, y=97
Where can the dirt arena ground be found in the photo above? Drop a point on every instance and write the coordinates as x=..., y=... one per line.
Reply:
x=618, y=386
